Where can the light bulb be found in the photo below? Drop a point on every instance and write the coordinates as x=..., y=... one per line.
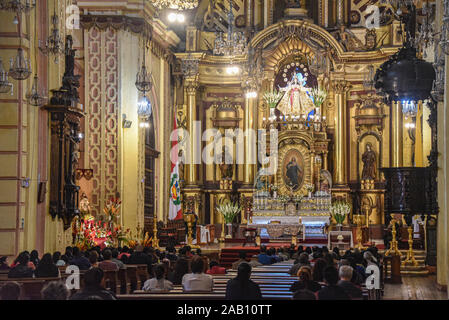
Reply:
x=172, y=17
x=180, y=17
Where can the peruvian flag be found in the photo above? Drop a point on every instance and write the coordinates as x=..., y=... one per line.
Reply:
x=175, y=208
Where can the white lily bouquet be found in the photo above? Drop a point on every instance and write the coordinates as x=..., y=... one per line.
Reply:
x=309, y=187
x=272, y=98
x=229, y=210
x=318, y=96
x=339, y=210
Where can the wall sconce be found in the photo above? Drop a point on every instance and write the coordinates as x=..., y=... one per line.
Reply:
x=26, y=183
x=126, y=123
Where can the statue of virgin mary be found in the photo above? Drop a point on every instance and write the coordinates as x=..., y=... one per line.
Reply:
x=296, y=100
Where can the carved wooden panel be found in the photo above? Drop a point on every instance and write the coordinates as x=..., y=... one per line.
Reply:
x=103, y=114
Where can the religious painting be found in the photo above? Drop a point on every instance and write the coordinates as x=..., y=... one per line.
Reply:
x=293, y=169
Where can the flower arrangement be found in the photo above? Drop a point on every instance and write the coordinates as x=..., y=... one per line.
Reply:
x=318, y=96
x=229, y=210
x=339, y=210
x=284, y=199
x=309, y=187
x=112, y=208
x=272, y=98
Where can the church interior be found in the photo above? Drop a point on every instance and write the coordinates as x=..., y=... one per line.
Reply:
x=282, y=133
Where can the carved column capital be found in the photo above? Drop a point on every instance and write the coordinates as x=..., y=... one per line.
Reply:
x=342, y=86
x=191, y=86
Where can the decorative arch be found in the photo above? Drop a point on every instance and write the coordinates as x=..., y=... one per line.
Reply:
x=294, y=36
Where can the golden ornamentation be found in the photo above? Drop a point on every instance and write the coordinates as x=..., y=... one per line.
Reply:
x=393, y=243
x=410, y=254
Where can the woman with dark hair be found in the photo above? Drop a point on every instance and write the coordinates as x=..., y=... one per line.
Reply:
x=241, y=287
x=337, y=252
x=21, y=269
x=34, y=257
x=329, y=259
x=197, y=280
x=56, y=256
x=3, y=264
x=318, y=270
x=158, y=283
x=181, y=268
x=46, y=268
x=305, y=281
x=93, y=258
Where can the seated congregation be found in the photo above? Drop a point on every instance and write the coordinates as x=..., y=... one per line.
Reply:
x=310, y=273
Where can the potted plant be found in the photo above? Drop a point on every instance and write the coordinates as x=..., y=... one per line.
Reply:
x=339, y=210
x=229, y=211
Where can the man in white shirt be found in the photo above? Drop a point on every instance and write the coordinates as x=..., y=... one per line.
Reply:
x=197, y=280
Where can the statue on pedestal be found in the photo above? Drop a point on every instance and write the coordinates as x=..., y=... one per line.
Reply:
x=369, y=163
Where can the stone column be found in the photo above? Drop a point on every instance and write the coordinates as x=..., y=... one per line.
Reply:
x=396, y=135
x=250, y=126
x=191, y=178
x=341, y=88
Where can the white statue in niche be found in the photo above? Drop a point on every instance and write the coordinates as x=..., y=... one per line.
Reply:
x=296, y=99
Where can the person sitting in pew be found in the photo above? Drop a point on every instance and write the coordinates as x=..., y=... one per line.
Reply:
x=139, y=257
x=332, y=291
x=93, y=289
x=119, y=263
x=4, y=264
x=305, y=281
x=242, y=258
x=181, y=268
x=10, y=291
x=171, y=254
x=302, y=261
x=46, y=268
x=197, y=280
x=55, y=290
x=57, y=259
x=107, y=264
x=318, y=270
x=354, y=292
x=93, y=258
x=79, y=259
x=214, y=268
x=241, y=287
x=264, y=258
x=304, y=294
x=158, y=283
x=21, y=269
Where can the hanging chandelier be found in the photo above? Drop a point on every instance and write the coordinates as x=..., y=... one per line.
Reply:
x=318, y=62
x=175, y=4
x=234, y=43
x=20, y=68
x=368, y=78
x=405, y=77
x=143, y=77
x=144, y=108
x=34, y=97
x=5, y=85
x=18, y=7
x=53, y=44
